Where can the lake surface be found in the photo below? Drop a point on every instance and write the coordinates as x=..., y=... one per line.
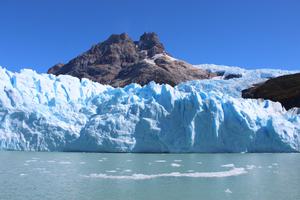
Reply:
x=93, y=176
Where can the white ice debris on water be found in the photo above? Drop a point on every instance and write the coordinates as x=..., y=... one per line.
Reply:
x=175, y=165
x=221, y=174
x=228, y=165
x=42, y=112
x=228, y=191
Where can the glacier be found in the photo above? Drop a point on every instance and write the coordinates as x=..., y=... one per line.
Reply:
x=43, y=112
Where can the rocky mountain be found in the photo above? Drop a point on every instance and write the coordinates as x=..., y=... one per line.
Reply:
x=284, y=89
x=119, y=61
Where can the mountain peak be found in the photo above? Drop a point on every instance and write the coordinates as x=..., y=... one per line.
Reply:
x=150, y=42
x=118, y=38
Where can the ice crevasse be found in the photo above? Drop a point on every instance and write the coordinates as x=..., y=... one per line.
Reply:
x=42, y=112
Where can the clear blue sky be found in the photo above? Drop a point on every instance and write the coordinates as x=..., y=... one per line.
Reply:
x=250, y=33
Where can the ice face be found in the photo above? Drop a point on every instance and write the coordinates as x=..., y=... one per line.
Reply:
x=42, y=112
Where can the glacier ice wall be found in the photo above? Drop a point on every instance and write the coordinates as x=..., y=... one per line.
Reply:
x=41, y=112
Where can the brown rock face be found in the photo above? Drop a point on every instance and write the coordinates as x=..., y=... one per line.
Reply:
x=119, y=61
x=55, y=68
x=284, y=89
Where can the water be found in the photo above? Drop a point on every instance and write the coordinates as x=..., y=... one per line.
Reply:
x=92, y=176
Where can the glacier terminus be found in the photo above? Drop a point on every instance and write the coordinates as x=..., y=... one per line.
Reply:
x=43, y=112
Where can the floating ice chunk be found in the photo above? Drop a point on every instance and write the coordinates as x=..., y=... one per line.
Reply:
x=39, y=168
x=228, y=165
x=22, y=174
x=228, y=191
x=175, y=165
x=160, y=161
x=249, y=167
x=29, y=161
x=65, y=162
x=111, y=171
